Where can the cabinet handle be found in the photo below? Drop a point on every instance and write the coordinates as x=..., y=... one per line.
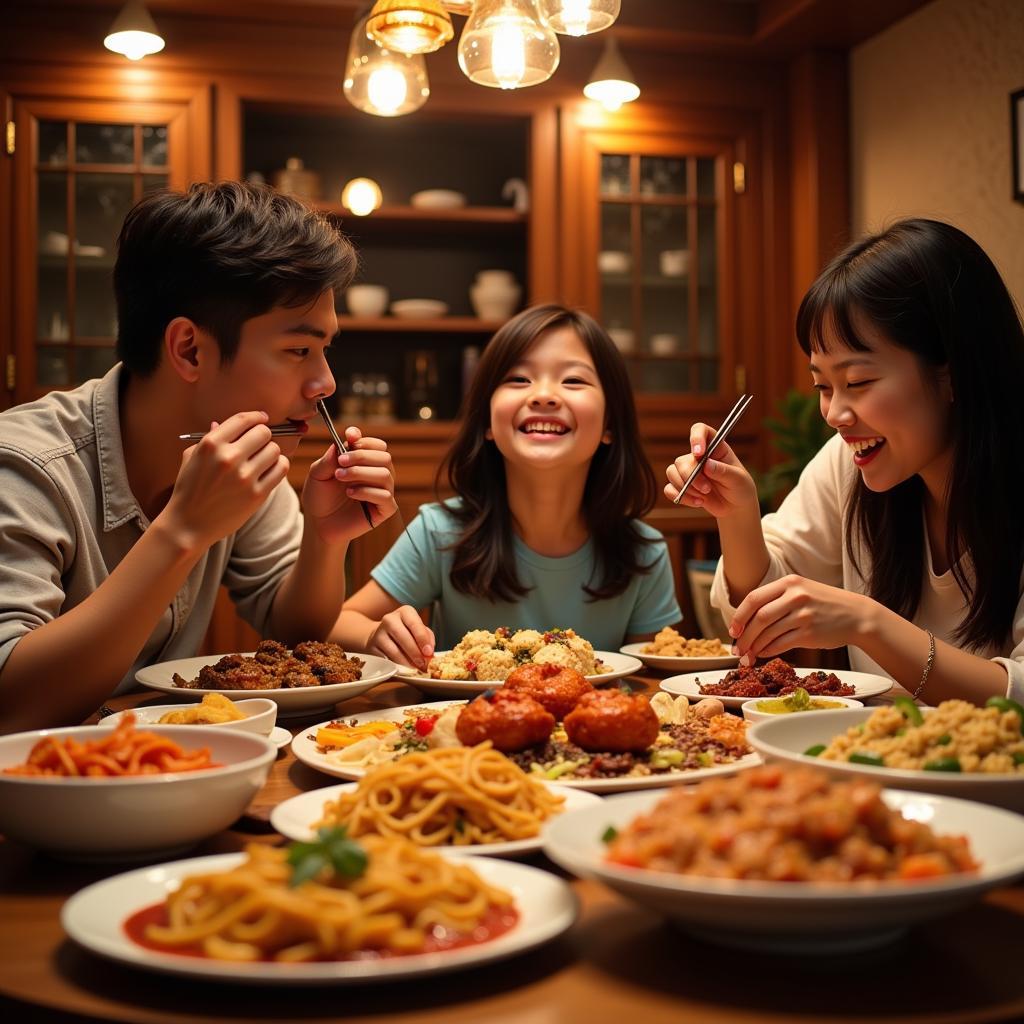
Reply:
x=739, y=178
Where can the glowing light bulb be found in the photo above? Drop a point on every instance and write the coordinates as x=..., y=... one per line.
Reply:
x=509, y=56
x=387, y=89
x=361, y=196
x=134, y=33
x=576, y=17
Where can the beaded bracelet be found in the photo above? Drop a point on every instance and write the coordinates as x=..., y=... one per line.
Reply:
x=927, y=665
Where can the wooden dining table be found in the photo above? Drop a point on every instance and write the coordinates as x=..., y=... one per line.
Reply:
x=618, y=963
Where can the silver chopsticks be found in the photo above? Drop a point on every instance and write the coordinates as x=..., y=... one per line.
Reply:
x=341, y=446
x=280, y=430
x=728, y=423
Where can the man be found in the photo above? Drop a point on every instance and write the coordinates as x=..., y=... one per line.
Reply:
x=115, y=535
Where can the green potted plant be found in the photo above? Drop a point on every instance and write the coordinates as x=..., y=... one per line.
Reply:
x=798, y=432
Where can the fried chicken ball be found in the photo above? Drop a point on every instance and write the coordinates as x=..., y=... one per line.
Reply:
x=511, y=721
x=558, y=689
x=612, y=720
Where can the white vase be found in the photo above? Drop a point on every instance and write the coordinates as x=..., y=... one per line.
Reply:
x=494, y=300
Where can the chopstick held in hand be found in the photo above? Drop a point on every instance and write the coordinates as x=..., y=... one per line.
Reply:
x=341, y=447
x=727, y=424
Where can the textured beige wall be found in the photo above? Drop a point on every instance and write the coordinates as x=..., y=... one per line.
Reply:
x=930, y=125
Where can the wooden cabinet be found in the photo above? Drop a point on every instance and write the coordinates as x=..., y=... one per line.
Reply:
x=79, y=166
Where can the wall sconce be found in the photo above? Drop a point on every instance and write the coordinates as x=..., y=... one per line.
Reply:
x=579, y=17
x=507, y=45
x=361, y=196
x=410, y=26
x=134, y=33
x=381, y=82
x=611, y=82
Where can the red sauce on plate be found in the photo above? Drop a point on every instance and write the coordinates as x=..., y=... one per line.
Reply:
x=496, y=922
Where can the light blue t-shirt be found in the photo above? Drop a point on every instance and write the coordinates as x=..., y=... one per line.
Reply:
x=416, y=571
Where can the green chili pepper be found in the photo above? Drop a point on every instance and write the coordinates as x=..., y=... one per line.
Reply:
x=943, y=764
x=910, y=711
x=863, y=757
x=1018, y=757
x=815, y=750
x=944, y=740
x=609, y=834
x=1005, y=704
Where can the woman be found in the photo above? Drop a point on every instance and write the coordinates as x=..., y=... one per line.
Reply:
x=904, y=537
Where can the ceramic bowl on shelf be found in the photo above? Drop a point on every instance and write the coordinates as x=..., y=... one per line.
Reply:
x=419, y=309
x=612, y=261
x=438, y=199
x=497, y=301
x=366, y=299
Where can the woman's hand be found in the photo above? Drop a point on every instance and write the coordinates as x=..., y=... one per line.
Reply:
x=797, y=612
x=336, y=485
x=402, y=637
x=723, y=486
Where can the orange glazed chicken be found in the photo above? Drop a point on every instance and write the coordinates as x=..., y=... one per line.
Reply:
x=557, y=688
x=612, y=720
x=510, y=720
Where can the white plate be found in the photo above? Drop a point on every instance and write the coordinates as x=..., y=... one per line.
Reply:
x=280, y=737
x=300, y=700
x=294, y=819
x=305, y=749
x=418, y=309
x=94, y=916
x=438, y=199
x=787, y=740
x=679, y=664
x=801, y=917
x=621, y=665
x=864, y=684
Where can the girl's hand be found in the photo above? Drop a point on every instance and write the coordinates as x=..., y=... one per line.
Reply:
x=723, y=486
x=336, y=484
x=402, y=637
x=796, y=612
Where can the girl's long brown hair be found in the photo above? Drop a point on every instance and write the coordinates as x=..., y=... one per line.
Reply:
x=620, y=483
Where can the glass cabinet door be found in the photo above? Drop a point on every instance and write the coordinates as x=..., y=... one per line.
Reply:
x=658, y=267
x=88, y=176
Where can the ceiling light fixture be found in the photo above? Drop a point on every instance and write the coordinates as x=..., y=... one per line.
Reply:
x=506, y=44
x=579, y=17
x=381, y=82
x=410, y=26
x=611, y=82
x=134, y=33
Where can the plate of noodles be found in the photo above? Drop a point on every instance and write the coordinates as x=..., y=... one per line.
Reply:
x=374, y=738
x=294, y=684
x=176, y=918
x=775, y=678
x=454, y=800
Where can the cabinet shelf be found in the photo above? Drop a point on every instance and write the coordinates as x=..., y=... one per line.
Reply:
x=463, y=219
x=434, y=325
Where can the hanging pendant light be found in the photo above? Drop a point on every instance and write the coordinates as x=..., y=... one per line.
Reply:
x=381, y=82
x=507, y=45
x=410, y=26
x=134, y=33
x=579, y=17
x=611, y=82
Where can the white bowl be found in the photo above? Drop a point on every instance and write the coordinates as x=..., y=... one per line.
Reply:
x=132, y=817
x=786, y=739
x=366, y=299
x=612, y=261
x=260, y=716
x=419, y=309
x=438, y=199
x=751, y=714
x=797, y=917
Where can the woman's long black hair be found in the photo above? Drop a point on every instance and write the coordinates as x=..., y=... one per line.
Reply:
x=930, y=288
x=620, y=483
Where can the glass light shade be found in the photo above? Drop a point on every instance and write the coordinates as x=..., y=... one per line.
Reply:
x=410, y=26
x=507, y=45
x=611, y=82
x=380, y=82
x=579, y=17
x=361, y=196
x=134, y=33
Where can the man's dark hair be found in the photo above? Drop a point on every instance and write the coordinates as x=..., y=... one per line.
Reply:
x=219, y=254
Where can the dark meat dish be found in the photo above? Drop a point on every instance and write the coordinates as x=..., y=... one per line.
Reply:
x=273, y=667
x=776, y=678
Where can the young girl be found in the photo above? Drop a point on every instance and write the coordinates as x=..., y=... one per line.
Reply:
x=904, y=537
x=545, y=531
